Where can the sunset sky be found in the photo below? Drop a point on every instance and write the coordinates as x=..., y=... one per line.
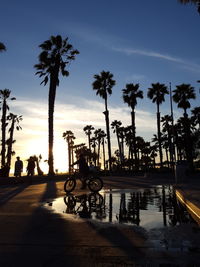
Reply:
x=138, y=41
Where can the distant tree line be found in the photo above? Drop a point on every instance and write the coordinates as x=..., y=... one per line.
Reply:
x=9, y=123
x=178, y=140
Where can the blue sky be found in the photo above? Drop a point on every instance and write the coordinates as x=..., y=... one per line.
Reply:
x=138, y=41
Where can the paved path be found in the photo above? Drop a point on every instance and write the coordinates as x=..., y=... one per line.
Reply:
x=32, y=236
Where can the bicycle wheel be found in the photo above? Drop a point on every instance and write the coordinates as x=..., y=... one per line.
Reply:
x=95, y=184
x=69, y=185
x=70, y=201
x=95, y=200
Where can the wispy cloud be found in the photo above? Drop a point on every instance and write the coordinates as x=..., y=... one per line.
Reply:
x=129, y=51
x=90, y=34
x=71, y=117
x=135, y=78
x=183, y=63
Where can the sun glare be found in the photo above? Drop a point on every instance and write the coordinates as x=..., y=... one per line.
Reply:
x=40, y=147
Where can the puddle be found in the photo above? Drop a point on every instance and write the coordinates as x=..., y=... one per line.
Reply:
x=156, y=210
x=149, y=208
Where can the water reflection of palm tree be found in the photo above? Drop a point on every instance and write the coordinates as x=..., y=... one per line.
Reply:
x=122, y=209
x=164, y=206
x=110, y=205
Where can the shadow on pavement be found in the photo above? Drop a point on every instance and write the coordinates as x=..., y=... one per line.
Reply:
x=12, y=193
x=44, y=241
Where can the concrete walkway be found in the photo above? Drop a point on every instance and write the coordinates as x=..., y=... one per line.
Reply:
x=32, y=236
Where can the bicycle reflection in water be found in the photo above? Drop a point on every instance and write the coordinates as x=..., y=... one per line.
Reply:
x=84, y=205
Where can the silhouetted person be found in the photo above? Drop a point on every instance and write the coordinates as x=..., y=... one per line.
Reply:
x=92, y=168
x=83, y=169
x=30, y=166
x=18, y=167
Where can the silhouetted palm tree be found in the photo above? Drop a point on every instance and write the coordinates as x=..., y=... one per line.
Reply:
x=69, y=137
x=140, y=145
x=157, y=94
x=153, y=154
x=2, y=47
x=130, y=95
x=93, y=142
x=88, y=131
x=121, y=133
x=37, y=160
x=103, y=85
x=56, y=56
x=103, y=136
x=115, y=125
x=129, y=141
x=167, y=128
x=197, y=2
x=5, y=96
x=98, y=136
x=182, y=94
x=196, y=115
x=15, y=121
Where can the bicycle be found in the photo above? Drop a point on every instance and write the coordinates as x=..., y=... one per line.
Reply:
x=94, y=183
x=84, y=204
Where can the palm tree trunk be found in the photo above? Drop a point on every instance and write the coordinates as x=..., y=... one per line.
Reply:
x=188, y=141
x=52, y=95
x=9, y=151
x=3, y=127
x=119, y=146
x=69, y=156
x=104, y=158
x=167, y=157
x=106, y=112
x=159, y=137
x=134, y=142
x=98, y=153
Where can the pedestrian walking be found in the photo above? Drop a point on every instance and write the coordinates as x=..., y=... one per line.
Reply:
x=18, y=167
x=31, y=167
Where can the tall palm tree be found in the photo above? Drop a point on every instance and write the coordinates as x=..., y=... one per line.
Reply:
x=130, y=95
x=2, y=47
x=157, y=94
x=115, y=125
x=88, y=131
x=93, y=143
x=4, y=96
x=196, y=115
x=182, y=94
x=188, y=1
x=121, y=134
x=196, y=2
x=103, y=85
x=15, y=124
x=69, y=137
x=56, y=55
x=103, y=136
x=168, y=128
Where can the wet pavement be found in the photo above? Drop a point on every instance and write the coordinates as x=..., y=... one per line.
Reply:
x=32, y=234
